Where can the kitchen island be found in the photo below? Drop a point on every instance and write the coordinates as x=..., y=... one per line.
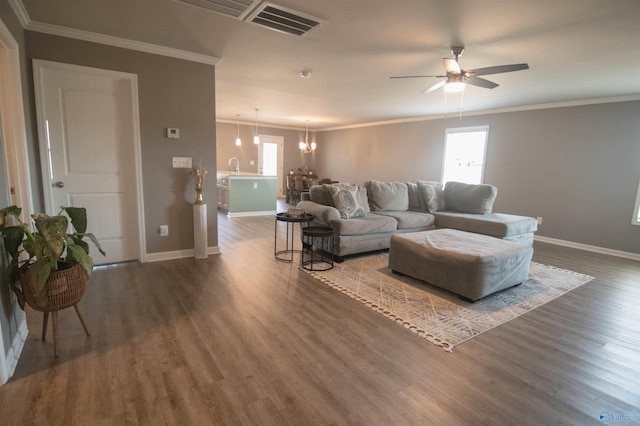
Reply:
x=247, y=194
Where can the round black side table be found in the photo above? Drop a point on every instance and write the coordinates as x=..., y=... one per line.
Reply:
x=317, y=248
x=286, y=255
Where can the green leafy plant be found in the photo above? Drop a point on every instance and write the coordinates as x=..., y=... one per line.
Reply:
x=40, y=249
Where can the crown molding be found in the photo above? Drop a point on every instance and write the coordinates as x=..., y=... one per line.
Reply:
x=21, y=12
x=121, y=42
x=564, y=104
x=57, y=30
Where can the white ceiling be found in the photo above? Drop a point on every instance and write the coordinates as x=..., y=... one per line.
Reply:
x=577, y=50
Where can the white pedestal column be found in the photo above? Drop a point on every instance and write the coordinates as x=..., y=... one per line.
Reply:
x=200, y=230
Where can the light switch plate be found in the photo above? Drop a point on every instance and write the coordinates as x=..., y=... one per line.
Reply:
x=181, y=162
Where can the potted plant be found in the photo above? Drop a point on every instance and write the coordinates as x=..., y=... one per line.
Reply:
x=37, y=252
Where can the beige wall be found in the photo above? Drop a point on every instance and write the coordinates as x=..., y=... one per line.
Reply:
x=172, y=93
x=577, y=167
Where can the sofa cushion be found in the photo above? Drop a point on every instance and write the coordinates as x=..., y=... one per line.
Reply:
x=469, y=198
x=416, y=202
x=345, y=199
x=494, y=224
x=319, y=194
x=432, y=195
x=410, y=219
x=387, y=195
x=369, y=224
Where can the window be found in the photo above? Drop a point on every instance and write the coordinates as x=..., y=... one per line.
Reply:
x=636, y=211
x=464, y=153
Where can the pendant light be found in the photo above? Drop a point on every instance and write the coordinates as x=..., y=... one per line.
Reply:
x=256, y=138
x=238, y=140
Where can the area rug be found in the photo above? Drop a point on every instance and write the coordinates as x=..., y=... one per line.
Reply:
x=438, y=315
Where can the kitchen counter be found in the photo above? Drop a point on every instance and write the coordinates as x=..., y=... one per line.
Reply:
x=247, y=194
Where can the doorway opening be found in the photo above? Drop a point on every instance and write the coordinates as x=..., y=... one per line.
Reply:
x=271, y=159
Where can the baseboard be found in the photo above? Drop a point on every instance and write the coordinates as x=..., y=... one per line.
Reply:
x=248, y=214
x=587, y=247
x=178, y=254
x=13, y=354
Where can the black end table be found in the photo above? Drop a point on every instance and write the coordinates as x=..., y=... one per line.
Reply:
x=286, y=255
x=317, y=252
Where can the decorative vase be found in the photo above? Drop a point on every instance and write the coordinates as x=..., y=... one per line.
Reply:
x=199, y=199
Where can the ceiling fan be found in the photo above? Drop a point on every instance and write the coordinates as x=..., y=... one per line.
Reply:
x=456, y=78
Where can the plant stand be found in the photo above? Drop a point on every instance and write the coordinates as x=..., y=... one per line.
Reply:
x=200, y=230
x=65, y=288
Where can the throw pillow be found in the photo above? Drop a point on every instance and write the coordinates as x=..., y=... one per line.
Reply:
x=390, y=196
x=469, y=198
x=432, y=195
x=345, y=200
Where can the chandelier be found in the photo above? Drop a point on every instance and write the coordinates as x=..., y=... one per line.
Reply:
x=304, y=146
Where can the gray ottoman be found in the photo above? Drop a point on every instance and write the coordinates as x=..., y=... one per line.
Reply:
x=470, y=265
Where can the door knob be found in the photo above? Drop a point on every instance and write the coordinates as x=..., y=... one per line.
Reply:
x=59, y=184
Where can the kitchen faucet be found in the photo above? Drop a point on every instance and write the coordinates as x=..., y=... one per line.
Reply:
x=237, y=168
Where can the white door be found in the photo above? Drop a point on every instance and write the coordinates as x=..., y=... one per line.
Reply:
x=88, y=124
x=271, y=159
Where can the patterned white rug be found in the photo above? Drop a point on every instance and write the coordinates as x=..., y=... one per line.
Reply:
x=437, y=315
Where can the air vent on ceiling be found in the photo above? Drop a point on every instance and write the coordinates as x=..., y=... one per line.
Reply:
x=282, y=19
x=236, y=8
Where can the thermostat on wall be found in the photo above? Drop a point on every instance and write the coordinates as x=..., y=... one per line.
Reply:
x=173, y=133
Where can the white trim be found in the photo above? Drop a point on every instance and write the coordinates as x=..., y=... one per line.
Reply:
x=635, y=220
x=13, y=121
x=124, y=43
x=132, y=80
x=178, y=254
x=17, y=167
x=21, y=12
x=9, y=362
x=587, y=247
x=137, y=149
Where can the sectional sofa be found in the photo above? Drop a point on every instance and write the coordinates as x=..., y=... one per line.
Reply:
x=366, y=216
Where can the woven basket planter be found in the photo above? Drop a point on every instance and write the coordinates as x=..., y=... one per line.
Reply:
x=64, y=288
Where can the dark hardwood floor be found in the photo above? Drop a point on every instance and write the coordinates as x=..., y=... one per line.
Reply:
x=240, y=338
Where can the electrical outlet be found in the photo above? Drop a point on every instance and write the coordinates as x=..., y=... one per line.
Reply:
x=181, y=162
x=164, y=230
x=255, y=185
x=539, y=220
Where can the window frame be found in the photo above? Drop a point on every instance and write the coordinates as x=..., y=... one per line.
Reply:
x=635, y=220
x=469, y=129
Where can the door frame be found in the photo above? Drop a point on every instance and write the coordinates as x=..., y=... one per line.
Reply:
x=278, y=140
x=39, y=66
x=17, y=168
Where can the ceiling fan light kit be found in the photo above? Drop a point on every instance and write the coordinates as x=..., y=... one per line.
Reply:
x=454, y=84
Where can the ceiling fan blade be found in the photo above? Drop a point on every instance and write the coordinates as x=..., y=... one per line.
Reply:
x=451, y=65
x=498, y=69
x=481, y=82
x=418, y=76
x=434, y=87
